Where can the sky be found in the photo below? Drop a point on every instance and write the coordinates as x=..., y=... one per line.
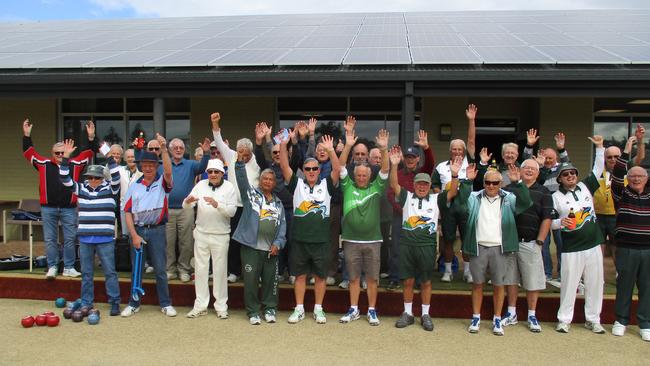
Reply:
x=35, y=10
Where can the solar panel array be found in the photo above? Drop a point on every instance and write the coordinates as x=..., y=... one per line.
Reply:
x=488, y=37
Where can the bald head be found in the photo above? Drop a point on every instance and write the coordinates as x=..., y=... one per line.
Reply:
x=637, y=178
x=611, y=154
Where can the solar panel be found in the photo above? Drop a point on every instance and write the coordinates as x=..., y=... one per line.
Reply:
x=121, y=45
x=477, y=28
x=342, y=30
x=381, y=41
x=290, y=31
x=526, y=28
x=343, y=20
x=384, y=20
x=424, y=19
x=491, y=39
x=313, y=56
x=326, y=42
x=377, y=56
x=75, y=59
x=71, y=46
x=172, y=44
x=579, y=55
x=29, y=46
x=128, y=59
x=221, y=43
x=189, y=58
x=512, y=55
x=636, y=54
x=606, y=39
x=250, y=57
x=18, y=60
x=245, y=31
x=430, y=28
x=579, y=27
x=645, y=37
x=390, y=29
x=435, y=39
x=549, y=39
x=444, y=55
x=273, y=42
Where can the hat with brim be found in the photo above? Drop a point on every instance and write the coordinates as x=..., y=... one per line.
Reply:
x=213, y=144
x=422, y=177
x=95, y=171
x=215, y=164
x=148, y=156
x=412, y=151
x=564, y=167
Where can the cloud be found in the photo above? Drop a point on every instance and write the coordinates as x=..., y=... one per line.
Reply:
x=167, y=8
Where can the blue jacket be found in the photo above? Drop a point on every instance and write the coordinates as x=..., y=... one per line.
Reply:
x=252, y=200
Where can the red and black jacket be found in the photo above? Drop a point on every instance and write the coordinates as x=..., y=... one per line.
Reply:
x=51, y=191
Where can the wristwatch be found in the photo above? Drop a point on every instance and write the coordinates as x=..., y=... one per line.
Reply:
x=539, y=242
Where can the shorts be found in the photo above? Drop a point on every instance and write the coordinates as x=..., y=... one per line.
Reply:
x=306, y=258
x=417, y=262
x=527, y=267
x=489, y=259
x=362, y=258
x=607, y=225
x=449, y=222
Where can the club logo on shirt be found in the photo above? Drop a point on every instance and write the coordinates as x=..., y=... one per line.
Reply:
x=307, y=207
x=248, y=268
x=268, y=214
x=419, y=222
x=583, y=216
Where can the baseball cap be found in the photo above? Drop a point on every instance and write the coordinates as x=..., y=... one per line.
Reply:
x=95, y=171
x=422, y=177
x=413, y=151
x=215, y=164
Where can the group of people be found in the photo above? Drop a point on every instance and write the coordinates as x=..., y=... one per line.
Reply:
x=255, y=217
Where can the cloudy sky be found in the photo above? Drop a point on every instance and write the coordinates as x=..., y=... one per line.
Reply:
x=90, y=9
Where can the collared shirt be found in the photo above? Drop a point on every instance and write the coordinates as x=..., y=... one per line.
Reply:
x=148, y=202
x=210, y=220
x=528, y=222
x=183, y=174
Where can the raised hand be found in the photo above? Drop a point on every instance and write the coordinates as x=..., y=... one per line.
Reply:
x=455, y=166
x=514, y=173
x=68, y=148
x=205, y=145
x=215, y=118
x=311, y=126
x=597, y=140
x=541, y=157
x=349, y=124
x=395, y=155
x=285, y=139
x=260, y=132
x=631, y=141
x=470, y=112
x=559, y=140
x=531, y=137
x=327, y=142
x=639, y=133
x=485, y=157
x=422, y=141
x=471, y=171
x=90, y=129
x=350, y=138
x=27, y=127
x=340, y=146
x=382, y=139
x=163, y=143
x=303, y=129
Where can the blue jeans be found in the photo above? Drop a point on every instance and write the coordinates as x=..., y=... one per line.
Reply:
x=106, y=254
x=393, y=259
x=546, y=253
x=68, y=218
x=157, y=246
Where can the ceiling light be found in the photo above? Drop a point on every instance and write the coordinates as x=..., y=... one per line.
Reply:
x=610, y=111
x=639, y=101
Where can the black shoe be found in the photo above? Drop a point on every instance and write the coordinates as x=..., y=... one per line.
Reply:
x=404, y=320
x=115, y=309
x=393, y=286
x=427, y=323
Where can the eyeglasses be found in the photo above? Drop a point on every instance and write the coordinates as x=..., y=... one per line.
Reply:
x=213, y=171
x=310, y=168
x=568, y=173
x=529, y=167
x=276, y=152
x=492, y=182
x=178, y=148
x=94, y=178
x=613, y=157
x=153, y=148
x=637, y=176
x=58, y=153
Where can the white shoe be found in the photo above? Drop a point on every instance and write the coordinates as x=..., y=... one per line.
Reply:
x=554, y=283
x=171, y=276
x=474, y=325
x=169, y=311
x=330, y=281
x=255, y=320
x=296, y=316
x=319, y=316
x=581, y=289
x=364, y=285
x=562, y=327
x=350, y=316
x=595, y=327
x=447, y=277
x=269, y=316
x=292, y=280
x=148, y=269
x=509, y=319
x=468, y=277
x=497, y=329
x=128, y=311
x=618, y=329
x=312, y=281
x=383, y=275
x=185, y=277
x=51, y=273
x=232, y=278
x=645, y=334
x=70, y=272
x=344, y=284
x=195, y=313
x=222, y=314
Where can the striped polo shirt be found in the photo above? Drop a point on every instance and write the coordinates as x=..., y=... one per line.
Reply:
x=148, y=202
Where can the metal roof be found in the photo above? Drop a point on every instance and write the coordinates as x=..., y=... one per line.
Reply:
x=552, y=38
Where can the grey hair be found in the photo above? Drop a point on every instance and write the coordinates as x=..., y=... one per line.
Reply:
x=245, y=143
x=118, y=146
x=176, y=141
x=129, y=150
x=360, y=166
x=534, y=162
x=267, y=171
x=507, y=145
x=493, y=172
x=58, y=144
x=309, y=160
x=454, y=141
x=197, y=150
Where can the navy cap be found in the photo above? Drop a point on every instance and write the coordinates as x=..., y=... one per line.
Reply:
x=148, y=156
x=413, y=150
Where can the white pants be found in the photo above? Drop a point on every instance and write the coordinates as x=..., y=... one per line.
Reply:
x=215, y=246
x=589, y=265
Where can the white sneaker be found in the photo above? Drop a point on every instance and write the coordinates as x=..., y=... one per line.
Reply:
x=344, y=284
x=474, y=325
x=447, y=277
x=581, y=289
x=312, y=281
x=128, y=311
x=292, y=280
x=70, y=272
x=148, y=269
x=351, y=315
x=497, y=329
x=595, y=327
x=330, y=281
x=372, y=317
x=185, y=277
x=645, y=334
x=222, y=314
x=383, y=275
x=533, y=324
x=169, y=311
x=51, y=273
x=319, y=316
x=296, y=316
x=232, y=278
x=172, y=276
x=509, y=319
x=269, y=316
x=468, y=277
x=364, y=285
x=618, y=329
x=195, y=313
x=554, y=283
x=255, y=320
x=562, y=327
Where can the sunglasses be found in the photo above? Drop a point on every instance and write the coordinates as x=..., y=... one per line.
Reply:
x=568, y=173
x=153, y=148
x=94, y=178
x=492, y=182
x=613, y=157
x=310, y=168
x=58, y=153
x=213, y=171
x=275, y=152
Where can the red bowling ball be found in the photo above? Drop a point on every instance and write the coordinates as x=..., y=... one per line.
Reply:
x=41, y=320
x=28, y=321
x=53, y=320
